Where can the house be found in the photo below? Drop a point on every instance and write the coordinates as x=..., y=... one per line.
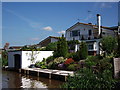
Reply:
x=48, y=40
x=22, y=59
x=89, y=33
x=15, y=47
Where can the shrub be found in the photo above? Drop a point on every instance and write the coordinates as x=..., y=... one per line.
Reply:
x=61, y=66
x=108, y=44
x=85, y=78
x=54, y=64
x=41, y=64
x=4, y=58
x=74, y=55
x=69, y=61
x=83, y=51
x=50, y=58
x=59, y=60
x=72, y=67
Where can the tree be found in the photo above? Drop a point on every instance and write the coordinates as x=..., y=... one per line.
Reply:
x=108, y=44
x=62, y=47
x=83, y=51
x=51, y=46
x=6, y=46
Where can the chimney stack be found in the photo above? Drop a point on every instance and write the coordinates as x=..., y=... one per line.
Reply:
x=99, y=24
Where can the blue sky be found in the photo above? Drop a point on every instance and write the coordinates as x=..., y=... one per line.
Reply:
x=25, y=23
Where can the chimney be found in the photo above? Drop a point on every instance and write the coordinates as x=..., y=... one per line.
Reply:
x=99, y=24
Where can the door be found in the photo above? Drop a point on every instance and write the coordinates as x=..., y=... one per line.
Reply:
x=17, y=61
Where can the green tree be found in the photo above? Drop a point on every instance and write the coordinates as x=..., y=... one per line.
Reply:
x=4, y=58
x=62, y=47
x=52, y=46
x=83, y=51
x=108, y=44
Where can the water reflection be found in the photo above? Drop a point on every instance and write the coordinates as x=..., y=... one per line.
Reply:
x=15, y=80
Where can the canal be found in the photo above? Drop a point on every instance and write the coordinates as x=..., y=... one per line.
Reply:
x=11, y=79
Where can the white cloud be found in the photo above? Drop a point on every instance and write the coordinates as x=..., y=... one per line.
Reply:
x=48, y=28
x=34, y=39
x=61, y=32
x=105, y=5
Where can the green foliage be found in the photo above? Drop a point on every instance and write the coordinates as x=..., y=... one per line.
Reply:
x=29, y=48
x=41, y=64
x=59, y=60
x=51, y=46
x=86, y=78
x=72, y=44
x=4, y=58
x=54, y=64
x=74, y=55
x=62, y=48
x=83, y=51
x=118, y=48
x=72, y=67
x=92, y=61
x=50, y=58
x=108, y=44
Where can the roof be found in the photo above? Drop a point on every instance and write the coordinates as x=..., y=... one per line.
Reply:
x=15, y=47
x=49, y=38
x=78, y=23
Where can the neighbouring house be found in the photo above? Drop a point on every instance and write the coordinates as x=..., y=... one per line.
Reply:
x=15, y=47
x=48, y=40
x=89, y=33
x=22, y=59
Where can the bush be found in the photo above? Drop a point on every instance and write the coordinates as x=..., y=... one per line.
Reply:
x=74, y=56
x=85, y=78
x=4, y=58
x=54, y=64
x=83, y=51
x=50, y=58
x=69, y=61
x=41, y=64
x=72, y=67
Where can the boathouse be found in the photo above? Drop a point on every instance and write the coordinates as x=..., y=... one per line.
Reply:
x=23, y=59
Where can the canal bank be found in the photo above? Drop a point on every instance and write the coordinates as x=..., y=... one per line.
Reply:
x=11, y=79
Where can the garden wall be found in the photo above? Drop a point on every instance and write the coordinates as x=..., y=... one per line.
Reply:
x=116, y=67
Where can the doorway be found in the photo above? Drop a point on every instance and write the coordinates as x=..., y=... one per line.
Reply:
x=17, y=61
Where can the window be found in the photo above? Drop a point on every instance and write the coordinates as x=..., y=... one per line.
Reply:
x=75, y=33
x=90, y=32
x=90, y=47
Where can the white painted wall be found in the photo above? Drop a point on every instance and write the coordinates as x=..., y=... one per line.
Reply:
x=26, y=56
x=83, y=31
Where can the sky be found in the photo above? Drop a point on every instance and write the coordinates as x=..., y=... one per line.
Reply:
x=27, y=23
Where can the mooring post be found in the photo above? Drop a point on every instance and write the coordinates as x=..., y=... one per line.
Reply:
x=65, y=78
x=19, y=70
x=27, y=72
x=38, y=74
x=49, y=75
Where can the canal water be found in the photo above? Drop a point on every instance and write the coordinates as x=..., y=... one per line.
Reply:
x=11, y=79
